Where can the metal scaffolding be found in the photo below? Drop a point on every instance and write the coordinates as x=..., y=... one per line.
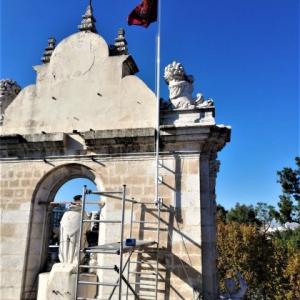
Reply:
x=122, y=247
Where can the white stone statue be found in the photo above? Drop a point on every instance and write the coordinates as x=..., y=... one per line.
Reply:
x=232, y=293
x=69, y=233
x=60, y=283
x=9, y=89
x=181, y=88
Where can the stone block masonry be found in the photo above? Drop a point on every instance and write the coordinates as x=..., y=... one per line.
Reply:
x=93, y=118
x=29, y=185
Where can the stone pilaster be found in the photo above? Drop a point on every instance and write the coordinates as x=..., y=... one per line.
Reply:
x=209, y=167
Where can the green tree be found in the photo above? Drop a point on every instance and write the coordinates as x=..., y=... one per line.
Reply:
x=290, y=239
x=270, y=263
x=265, y=213
x=246, y=249
x=221, y=213
x=288, y=242
x=289, y=203
x=243, y=214
x=285, y=209
x=292, y=272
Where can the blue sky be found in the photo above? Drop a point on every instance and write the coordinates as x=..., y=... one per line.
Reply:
x=243, y=54
x=75, y=187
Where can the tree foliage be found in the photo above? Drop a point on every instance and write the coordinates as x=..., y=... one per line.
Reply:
x=265, y=214
x=221, y=213
x=269, y=262
x=270, y=265
x=289, y=203
x=292, y=273
x=243, y=214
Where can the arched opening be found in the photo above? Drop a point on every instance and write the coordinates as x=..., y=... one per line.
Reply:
x=52, y=187
x=63, y=199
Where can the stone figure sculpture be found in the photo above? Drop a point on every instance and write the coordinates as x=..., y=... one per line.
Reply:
x=9, y=89
x=60, y=282
x=232, y=293
x=181, y=88
x=69, y=233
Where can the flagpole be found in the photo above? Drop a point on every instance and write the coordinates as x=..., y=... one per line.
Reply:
x=157, y=200
x=157, y=100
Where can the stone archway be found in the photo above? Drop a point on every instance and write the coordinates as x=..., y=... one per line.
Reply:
x=38, y=233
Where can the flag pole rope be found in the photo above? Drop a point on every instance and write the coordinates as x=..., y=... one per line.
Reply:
x=158, y=47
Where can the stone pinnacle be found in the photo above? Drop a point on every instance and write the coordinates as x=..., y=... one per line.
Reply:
x=49, y=50
x=88, y=20
x=121, y=43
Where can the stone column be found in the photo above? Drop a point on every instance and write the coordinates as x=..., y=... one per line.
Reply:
x=208, y=170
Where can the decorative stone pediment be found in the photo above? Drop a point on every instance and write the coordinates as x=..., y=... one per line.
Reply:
x=82, y=87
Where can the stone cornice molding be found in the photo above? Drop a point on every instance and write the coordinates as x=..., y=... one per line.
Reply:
x=197, y=139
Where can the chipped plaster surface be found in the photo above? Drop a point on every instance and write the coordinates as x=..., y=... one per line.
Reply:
x=81, y=88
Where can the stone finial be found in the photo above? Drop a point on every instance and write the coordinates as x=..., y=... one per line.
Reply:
x=88, y=20
x=9, y=89
x=121, y=43
x=49, y=50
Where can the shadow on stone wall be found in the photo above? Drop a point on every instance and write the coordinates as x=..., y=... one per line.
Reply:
x=171, y=265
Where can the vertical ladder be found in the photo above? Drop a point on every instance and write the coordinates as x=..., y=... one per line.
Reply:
x=81, y=250
x=140, y=262
x=130, y=234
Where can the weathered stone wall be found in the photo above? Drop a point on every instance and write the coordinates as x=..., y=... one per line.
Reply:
x=180, y=258
x=80, y=95
x=24, y=219
x=89, y=116
x=18, y=181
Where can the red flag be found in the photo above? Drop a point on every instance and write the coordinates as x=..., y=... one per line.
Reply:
x=144, y=14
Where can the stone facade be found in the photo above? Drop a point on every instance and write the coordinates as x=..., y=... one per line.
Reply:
x=187, y=189
x=111, y=142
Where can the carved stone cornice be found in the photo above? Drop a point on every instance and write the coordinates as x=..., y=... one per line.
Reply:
x=200, y=139
x=34, y=145
x=204, y=139
x=120, y=141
